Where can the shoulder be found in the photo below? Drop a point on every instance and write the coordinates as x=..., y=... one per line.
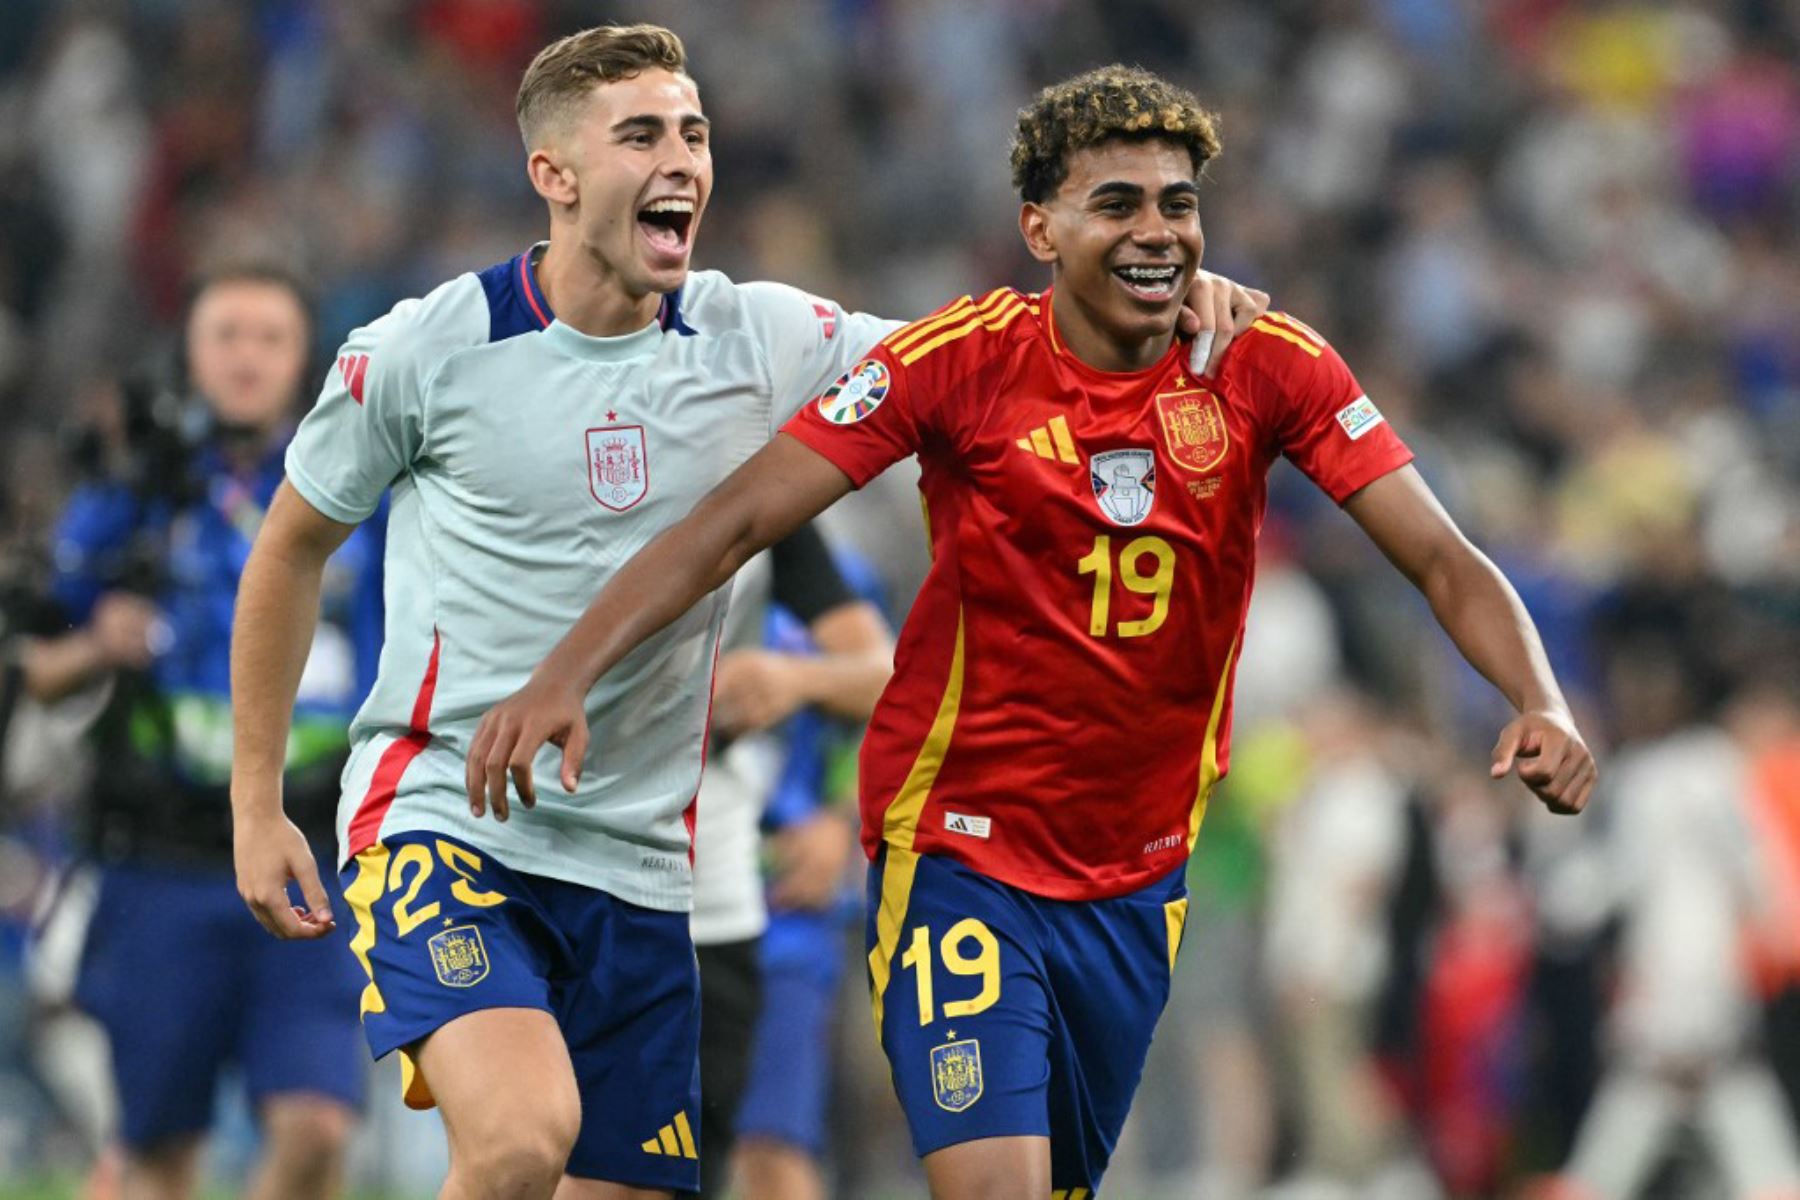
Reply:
x=1279, y=348
x=715, y=301
x=966, y=334
x=419, y=333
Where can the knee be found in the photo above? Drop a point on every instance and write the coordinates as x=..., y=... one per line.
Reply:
x=519, y=1157
x=308, y=1130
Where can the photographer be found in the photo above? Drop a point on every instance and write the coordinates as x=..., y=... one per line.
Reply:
x=147, y=559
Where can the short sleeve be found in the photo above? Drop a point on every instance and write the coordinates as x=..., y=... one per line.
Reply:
x=367, y=427
x=807, y=342
x=866, y=421
x=1325, y=423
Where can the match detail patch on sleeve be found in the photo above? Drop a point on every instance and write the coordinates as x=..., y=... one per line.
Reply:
x=1359, y=416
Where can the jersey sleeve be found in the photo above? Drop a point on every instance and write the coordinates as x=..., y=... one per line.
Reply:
x=867, y=420
x=367, y=427
x=1324, y=422
x=807, y=342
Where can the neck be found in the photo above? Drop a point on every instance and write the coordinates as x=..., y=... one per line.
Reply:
x=1097, y=346
x=587, y=295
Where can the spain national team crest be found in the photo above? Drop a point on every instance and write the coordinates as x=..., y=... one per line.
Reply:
x=1124, y=484
x=618, y=465
x=1193, y=426
x=956, y=1074
x=458, y=956
x=857, y=393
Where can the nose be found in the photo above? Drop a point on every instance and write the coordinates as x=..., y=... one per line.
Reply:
x=1153, y=232
x=682, y=161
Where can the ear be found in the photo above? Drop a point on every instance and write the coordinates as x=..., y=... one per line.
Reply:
x=551, y=178
x=1034, y=227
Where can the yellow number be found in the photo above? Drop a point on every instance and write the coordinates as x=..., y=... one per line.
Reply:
x=1158, y=585
x=918, y=959
x=466, y=863
x=1098, y=563
x=414, y=855
x=985, y=964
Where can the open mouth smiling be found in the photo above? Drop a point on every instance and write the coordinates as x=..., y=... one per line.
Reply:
x=1151, y=283
x=665, y=224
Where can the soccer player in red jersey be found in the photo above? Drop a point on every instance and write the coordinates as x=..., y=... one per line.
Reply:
x=1037, y=772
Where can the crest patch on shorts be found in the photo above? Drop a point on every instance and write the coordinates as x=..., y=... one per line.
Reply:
x=458, y=956
x=956, y=1074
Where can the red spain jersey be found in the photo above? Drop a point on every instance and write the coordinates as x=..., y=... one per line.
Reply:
x=1061, y=701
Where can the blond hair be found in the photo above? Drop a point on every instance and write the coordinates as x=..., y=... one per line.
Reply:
x=565, y=71
x=1108, y=102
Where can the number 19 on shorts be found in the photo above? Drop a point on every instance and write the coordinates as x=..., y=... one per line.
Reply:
x=983, y=964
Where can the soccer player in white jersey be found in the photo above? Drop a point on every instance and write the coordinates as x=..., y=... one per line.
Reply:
x=537, y=423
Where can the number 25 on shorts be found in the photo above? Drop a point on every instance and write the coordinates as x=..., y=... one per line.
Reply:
x=1098, y=563
x=415, y=857
x=985, y=964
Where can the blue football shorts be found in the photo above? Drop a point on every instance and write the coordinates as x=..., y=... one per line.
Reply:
x=790, y=1053
x=185, y=982
x=1007, y=1014
x=444, y=929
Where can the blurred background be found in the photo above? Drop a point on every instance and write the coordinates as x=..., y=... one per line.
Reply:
x=1559, y=243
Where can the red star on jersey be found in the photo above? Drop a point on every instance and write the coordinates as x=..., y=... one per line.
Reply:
x=611, y=415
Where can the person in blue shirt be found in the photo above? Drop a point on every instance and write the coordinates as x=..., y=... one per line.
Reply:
x=147, y=560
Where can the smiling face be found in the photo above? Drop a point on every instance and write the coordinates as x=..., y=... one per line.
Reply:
x=1122, y=234
x=631, y=169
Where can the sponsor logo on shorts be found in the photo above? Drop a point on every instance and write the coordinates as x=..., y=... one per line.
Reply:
x=956, y=1074
x=857, y=393
x=1359, y=416
x=962, y=823
x=458, y=956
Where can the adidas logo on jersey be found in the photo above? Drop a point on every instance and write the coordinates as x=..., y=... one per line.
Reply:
x=676, y=1140
x=1051, y=441
x=977, y=827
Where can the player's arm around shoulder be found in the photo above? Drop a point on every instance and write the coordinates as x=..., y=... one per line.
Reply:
x=783, y=485
x=1484, y=616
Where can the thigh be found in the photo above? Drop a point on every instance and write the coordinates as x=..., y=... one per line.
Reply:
x=300, y=1029
x=1110, y=968
x=441, y=930
x=629, y=1005
x=159, y=972
x=499, y=1067
x=961, y=1002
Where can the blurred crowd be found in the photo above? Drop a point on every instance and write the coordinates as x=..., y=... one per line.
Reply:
x=1559, y=243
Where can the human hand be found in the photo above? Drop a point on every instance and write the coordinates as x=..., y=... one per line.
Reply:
x=511, y=733
x=124, y=626
x=1214, y=312
x=268, y=853
x=1551, y=759
x=755, y=689
x=810, y=857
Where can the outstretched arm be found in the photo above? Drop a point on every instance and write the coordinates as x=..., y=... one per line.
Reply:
x=271, y=636
x=1485, y=618
x=783, y=485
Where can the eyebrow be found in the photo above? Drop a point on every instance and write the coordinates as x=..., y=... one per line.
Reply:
x=652, y=123
x=1131, y=191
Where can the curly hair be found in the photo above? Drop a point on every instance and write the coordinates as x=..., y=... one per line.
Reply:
x=565, y=70
x=1108, y=102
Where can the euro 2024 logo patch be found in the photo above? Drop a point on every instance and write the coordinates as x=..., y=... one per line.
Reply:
x=459, y=957
x=1124, y=484
x=956, y=1074
x=857, y=393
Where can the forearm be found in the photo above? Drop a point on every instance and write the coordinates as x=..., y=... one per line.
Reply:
x=277, y=612
x=845, y=685
x=55, y=668
x=1488, y=622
